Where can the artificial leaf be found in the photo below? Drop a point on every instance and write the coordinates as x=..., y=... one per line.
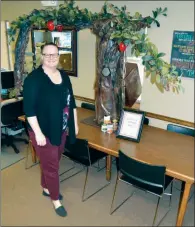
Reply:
x=159, y=64
x=175, y=73
x=137, y=53
x=153, y=77
x=147, y=66
x=127, y=42
x=161, y=55
x=160, y=87
x=33, y=18
x=55, y=21
x=126, y=36
x=147, y=74
x=134, y=38
x=157, y=23
x=154, y=14
x=165, y=9
x=147, y=58
x=137, y=15
x=152, y=62
x=158, y=78
x=138, y=42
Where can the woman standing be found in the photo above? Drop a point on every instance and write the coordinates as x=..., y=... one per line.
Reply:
x=49, y=106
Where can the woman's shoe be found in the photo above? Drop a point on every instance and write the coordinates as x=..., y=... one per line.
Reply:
x=48, y=195
x=61, y=211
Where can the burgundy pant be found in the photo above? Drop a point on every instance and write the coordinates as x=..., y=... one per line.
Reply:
x=49, y=156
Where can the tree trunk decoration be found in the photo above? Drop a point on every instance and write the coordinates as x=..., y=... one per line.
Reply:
x=115, y=86
x=21, y=44
x=112, y=75
x=109, y=79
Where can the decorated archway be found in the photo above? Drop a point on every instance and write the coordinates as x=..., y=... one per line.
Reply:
x=115, y=29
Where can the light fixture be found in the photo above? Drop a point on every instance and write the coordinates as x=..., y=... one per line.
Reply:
x=49, y=3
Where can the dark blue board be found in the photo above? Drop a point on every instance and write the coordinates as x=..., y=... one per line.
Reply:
x=182, y=55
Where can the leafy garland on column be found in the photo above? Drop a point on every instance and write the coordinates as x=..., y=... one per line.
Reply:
x=121, y=28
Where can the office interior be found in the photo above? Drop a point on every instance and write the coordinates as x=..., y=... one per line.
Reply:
x=22, y=203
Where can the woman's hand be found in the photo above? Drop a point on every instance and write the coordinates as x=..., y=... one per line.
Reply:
x=40, y=139
x=76, y=122
x=76, y=129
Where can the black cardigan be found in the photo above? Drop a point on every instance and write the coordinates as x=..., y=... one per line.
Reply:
x=46, y=101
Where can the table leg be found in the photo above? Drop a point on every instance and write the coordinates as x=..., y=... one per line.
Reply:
x=108, y=167
x=33, y=153
x=183, y=202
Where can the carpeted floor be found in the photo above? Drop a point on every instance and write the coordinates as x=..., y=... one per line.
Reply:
x=9, y=157
x=23, y=205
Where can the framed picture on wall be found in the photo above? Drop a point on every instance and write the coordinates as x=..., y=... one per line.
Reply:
x=130, y=125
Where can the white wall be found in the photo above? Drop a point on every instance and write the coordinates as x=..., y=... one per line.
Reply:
x=180, y=17
x=83, y=85
x=4, y=50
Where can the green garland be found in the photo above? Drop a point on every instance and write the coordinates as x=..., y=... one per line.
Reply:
x=121, y=27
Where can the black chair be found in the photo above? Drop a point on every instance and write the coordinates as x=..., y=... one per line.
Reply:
x=184, y=131
x=146, y=121
x=181, y=130
x=88, y=106
x=11, y=109
x=149, y=178
x=81, y=154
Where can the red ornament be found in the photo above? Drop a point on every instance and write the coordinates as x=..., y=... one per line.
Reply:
x=59, y=27
x=122, y=47
x=50, y=25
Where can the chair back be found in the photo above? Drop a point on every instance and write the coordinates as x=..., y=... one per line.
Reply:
x=146, y=121
x=145, y=176
x=79, y=151
x=88, y=106
x=11, y=109
x=181, y=130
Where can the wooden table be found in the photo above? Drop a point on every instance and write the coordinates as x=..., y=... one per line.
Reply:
x=157, y=146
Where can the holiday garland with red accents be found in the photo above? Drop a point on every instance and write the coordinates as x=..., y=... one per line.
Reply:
x=120, y=26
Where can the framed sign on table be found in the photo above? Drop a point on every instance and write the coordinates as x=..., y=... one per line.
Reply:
x=130, y=125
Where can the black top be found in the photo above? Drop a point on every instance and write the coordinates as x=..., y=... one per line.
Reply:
x=47, y=101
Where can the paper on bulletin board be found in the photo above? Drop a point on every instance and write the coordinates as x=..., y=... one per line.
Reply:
x=182, y=56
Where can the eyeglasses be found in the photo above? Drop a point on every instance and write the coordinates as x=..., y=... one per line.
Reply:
x=50, y=55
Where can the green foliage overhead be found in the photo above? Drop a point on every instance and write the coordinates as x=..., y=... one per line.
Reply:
x=119, y=26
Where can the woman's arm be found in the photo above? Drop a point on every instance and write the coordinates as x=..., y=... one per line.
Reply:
x=73, y=104
x=29, y=99
x=40, y=138
x=76, y=122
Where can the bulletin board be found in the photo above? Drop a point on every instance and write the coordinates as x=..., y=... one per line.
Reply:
x=182, y=55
